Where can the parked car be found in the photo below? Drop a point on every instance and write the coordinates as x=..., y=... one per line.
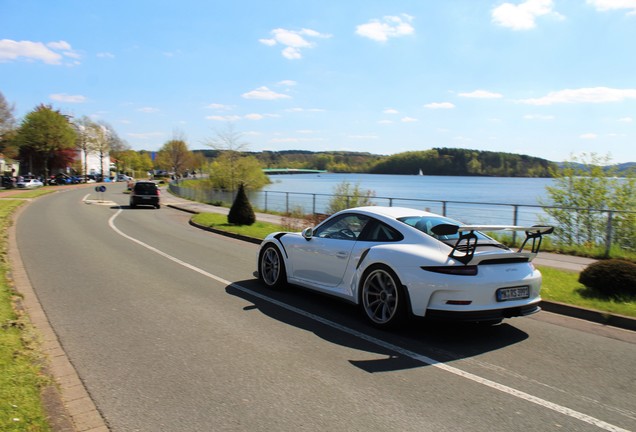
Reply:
x=396, y=263
x=145, y=193
x=30, y=183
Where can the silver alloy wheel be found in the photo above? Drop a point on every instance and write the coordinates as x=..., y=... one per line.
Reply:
x=270, y=271
x=380, y=296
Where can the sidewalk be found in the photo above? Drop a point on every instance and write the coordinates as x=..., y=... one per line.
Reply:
x=563, y=262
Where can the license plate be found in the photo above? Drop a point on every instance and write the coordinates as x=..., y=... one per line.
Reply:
x=515, y=293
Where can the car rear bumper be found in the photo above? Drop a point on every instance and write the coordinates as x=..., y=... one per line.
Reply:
x=483, y=315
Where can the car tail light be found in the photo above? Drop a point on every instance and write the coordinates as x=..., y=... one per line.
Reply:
x=468, y=270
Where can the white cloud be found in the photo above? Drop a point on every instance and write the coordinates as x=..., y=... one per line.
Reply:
x=385, y=122
x=408, y=120
x=439, y=105
x=264, y=93
x=105, y=55
x=148, y=110
x=390, y=111
x=481, y=94
x=293, y=41
x=588, y=136
x=63, y=97
x=583, y=95
x=219, y=107
x=12, y=50
x=227, y=118
x=625, y=119
x=288, y=83
x=387, y=27
x=522, y=16
x=609, y=5
x=294, y=140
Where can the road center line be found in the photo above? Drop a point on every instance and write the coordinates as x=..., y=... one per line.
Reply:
x=386, y=345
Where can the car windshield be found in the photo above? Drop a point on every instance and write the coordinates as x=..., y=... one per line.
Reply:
x=426, y=224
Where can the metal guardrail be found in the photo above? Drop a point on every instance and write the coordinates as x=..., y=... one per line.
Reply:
x=467, y=212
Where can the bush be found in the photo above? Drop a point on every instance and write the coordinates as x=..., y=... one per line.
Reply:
x=241, y=212
x=613, y=278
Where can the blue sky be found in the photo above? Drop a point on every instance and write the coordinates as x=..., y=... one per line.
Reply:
x=546, y=78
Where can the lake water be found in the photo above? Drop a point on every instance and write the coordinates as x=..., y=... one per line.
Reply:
x=517, y=198
x=504, y=190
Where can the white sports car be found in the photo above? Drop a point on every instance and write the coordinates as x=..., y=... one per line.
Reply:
x=398, y=262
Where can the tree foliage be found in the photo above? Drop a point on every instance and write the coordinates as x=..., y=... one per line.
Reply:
x=346, y=195
x=230, y=169
x=175, y=156
x=7, y=120
x=463, y=162
x=584, y=192
x=43, y=136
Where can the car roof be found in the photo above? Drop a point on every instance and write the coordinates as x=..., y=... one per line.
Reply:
x=390, y=212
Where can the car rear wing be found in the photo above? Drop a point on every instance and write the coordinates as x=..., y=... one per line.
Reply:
x=466, y=243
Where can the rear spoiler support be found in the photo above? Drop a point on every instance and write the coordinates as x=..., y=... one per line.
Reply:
x=467, y=240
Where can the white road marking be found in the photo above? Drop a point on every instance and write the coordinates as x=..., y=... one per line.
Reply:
x=386, y=345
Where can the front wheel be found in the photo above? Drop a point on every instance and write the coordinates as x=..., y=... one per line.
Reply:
x=271, y=267
x=383, y=298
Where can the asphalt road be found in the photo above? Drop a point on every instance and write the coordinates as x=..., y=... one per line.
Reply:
x=169, y=331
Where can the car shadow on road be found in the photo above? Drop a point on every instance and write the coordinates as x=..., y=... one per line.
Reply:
x=418, y=344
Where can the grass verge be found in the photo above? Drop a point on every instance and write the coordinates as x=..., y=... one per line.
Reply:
x=21, y=378
x=564, y=287
x=558, y=285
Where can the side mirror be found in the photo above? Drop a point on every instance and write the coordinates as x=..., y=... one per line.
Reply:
x=307, y=233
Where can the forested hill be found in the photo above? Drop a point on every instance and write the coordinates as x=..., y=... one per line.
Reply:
x=437, y=161
x=463, y=162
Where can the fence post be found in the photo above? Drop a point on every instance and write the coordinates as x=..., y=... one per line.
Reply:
x=265, y=201
x=608, y=239
x=313, y=203
x=443, y=208
x=287, y=202
x=515, y=218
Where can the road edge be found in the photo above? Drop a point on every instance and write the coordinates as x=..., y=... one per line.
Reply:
x=67, y=403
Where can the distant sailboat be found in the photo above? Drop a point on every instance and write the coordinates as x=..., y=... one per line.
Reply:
x=420, y=173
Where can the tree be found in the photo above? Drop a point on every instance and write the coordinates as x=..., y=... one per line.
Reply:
x=230, y=143
x=241, y=212
x=7, y=121
x=348, y=196
x=175, y=156
x=584, y=192
x=44, y=132
x=227, y=170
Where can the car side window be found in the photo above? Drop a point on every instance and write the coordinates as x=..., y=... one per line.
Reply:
x=379, y=232
x=345, y=227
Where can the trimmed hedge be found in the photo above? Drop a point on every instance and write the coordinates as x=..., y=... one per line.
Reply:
x=241, y=212
x=613, y=277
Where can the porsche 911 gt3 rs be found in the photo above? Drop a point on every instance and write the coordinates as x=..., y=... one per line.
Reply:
x=398, y=262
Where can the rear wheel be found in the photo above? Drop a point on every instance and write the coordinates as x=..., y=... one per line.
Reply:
x=383, y=299
x=271, y=267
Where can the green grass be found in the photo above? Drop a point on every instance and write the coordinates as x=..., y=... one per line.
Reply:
x=20, y=376
x=564, y=287
x=32, y=193
x=258, y=230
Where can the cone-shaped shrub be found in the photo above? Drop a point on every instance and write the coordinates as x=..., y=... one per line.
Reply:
x=241, y=212
x=613, y=277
